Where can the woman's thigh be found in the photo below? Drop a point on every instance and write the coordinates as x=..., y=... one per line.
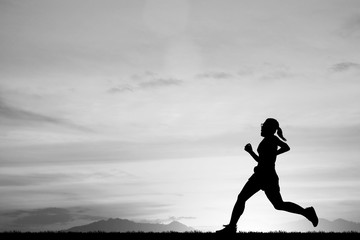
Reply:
x=250, y=188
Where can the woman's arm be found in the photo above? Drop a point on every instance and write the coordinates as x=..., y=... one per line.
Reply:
x=248, y=148
x=283, y=147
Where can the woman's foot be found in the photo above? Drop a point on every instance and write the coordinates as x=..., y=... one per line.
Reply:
x=311, y=216
x=227, y=230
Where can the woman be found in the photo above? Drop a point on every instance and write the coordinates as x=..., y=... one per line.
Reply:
x=265, y=177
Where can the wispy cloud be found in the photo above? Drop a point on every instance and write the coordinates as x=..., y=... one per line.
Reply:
x=265, y=71
x=12, y=180
x=38, y=178
x=142, y=76
x=215, y=75
x=160, y=82
x=277, y=75
x=59, y=218
x=121, y=89
x=145, y=82
x=45, y=217
x=11, y=115
x=345, y=66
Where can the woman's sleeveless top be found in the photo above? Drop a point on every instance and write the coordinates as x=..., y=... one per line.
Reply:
x=267, y=151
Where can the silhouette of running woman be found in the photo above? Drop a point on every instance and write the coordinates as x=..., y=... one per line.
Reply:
x=265, y=177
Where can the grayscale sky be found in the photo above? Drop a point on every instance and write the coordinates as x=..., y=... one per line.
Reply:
x=141, y=109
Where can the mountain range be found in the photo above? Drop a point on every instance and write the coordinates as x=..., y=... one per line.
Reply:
x=124, y=225
x=338, y=225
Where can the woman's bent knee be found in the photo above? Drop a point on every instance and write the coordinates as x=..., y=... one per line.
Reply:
x=279, y=205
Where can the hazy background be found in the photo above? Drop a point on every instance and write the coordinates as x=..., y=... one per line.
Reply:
x=141, y=109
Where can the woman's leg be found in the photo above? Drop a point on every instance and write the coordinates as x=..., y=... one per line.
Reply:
x=278, y=203
x=273, y=194
x=248, y=190
x=275, y=198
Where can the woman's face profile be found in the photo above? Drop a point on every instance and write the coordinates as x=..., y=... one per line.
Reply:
x=266, y=129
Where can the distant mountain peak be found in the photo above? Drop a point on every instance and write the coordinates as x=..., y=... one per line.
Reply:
x=125, y=225
x=175, y=223
x=340, y=220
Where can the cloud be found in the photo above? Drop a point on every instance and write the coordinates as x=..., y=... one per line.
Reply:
x=34, y=178
x=269, y=72
x=345, y=66
x=58, y=218
x=215, y=75
x=142, y=76
x=45, y=217
x=145, y=84
x=121, y=89
x=277, y=75
x=160, y=82
x=28, y=180
x=11, y=115
x=245, y=72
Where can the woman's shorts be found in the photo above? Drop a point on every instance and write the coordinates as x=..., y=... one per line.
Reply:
x=267, y=181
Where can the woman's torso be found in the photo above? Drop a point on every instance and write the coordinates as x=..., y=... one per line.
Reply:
x=267, y=151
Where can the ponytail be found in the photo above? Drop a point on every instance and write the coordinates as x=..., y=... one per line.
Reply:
x=273, y=124
x=280, y=134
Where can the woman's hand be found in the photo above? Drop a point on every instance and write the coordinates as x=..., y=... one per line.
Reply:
x=248, y=148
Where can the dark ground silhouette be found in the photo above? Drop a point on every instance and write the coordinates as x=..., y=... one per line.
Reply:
x=181, y=236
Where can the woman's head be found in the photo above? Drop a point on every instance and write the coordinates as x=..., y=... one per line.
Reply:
x=270, y=127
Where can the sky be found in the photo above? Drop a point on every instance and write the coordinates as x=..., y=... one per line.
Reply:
x=141, y=109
